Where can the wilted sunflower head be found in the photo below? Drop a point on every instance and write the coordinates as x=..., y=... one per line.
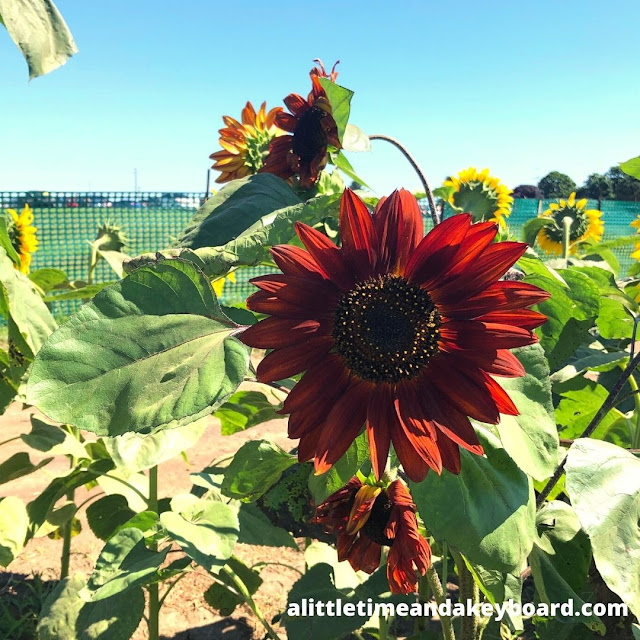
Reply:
x=367, y=517
x=585, y=224
x=245, y=144
x=480, y=194
x=22, y=234
x=312, y=129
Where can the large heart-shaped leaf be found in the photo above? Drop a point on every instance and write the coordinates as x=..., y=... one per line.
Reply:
x=149, y=352
x=487, y=511
x=603, y=482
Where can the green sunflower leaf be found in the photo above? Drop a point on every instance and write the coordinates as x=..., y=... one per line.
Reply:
x=339, y=160
x=632, y=167
x=40, y=33
x=235, y=208
x=603, y=482
x=150, y=352
x=531, y=438
x=21, y=304
x=341, y=472
x=571, y=312
x=133, y=452
x=560, y=561
x=244, y=410
x=14, y=523
x=340, y=99
x=66, y=615
x=252, y=247
x=492, y=497
x=355, y=139
x=531, y=228
x=124, y=563
x=206, y=531
x=6, y=244
x=255, y=468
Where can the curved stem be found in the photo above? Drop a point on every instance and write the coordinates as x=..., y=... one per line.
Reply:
x=9, y=440
x=127, y=484
x=439, y=596
x=244, y=592
x=435, y=216
x=607, y=405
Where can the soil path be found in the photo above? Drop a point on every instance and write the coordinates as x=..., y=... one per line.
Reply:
x=185, y=615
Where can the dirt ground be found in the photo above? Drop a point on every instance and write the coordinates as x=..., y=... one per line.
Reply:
x=185, y=615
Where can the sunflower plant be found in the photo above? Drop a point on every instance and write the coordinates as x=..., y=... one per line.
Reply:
x=463, y=416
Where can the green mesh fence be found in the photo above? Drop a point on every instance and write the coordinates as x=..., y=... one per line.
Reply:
x=67, y=222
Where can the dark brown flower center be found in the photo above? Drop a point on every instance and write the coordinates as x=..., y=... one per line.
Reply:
x=375, y=526
x=386, y=329
x=310, y=137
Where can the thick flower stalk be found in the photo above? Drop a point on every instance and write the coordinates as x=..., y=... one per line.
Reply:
x=311, y=129
x=22, y=234
x=585, y=224
x=367, y=517
x=395, y=332
x=481, y=194
x=245, y=144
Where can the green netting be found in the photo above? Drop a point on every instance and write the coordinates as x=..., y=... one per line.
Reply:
x=68, y=221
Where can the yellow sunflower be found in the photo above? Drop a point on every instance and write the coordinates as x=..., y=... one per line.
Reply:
x=245, y=144
x=22, y=234
x=587, y=224
x=480, y=194
x=636, y=250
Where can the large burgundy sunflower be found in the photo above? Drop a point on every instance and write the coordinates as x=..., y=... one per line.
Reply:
x=395, y=331
x=312, y=129
x=365, y=518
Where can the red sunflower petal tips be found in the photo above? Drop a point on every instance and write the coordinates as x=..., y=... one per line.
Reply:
x=397, y=334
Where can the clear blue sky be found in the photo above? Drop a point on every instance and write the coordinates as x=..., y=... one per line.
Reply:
x=522, y=88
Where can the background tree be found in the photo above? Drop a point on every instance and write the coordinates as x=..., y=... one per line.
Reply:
x=527, y=191
x=598, y=187
x=624, y=186
x=556, y=185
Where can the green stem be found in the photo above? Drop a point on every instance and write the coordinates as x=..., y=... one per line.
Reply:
x=67, y=530
x=635, y=436
x=435, y=215
x=468, y=592
x=424, y=595
x=130, y=486
x=383, y=628
x=244, y=592
x=170, y=587
x=9, y=440
x=440, y=596
x=567, y=221
x=607, y=405
x=154, y=601
x=445, y=564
